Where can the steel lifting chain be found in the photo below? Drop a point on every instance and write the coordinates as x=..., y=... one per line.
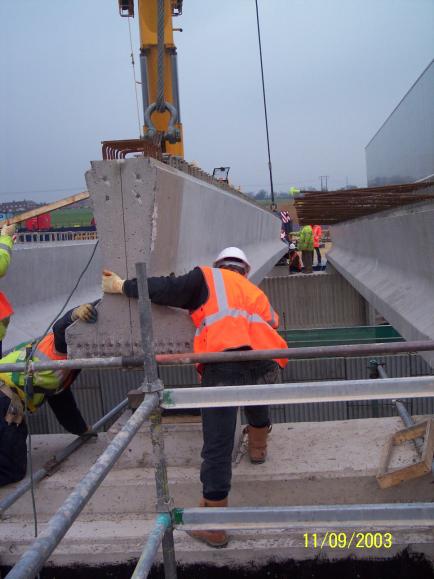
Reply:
x=172, y=134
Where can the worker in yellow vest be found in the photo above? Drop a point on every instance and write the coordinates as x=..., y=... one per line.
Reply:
x=229, y=313
x=6, y=245
x=50, y=385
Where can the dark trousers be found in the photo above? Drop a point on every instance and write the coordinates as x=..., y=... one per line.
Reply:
x=307, y=258
x=318, y=255
x=219, y=423
x=13, y=448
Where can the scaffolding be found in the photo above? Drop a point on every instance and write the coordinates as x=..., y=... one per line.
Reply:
x=153, y=397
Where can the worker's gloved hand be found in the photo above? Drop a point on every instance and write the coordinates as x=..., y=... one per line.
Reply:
x=86, y=313
x=111, y=282
x=8, y=229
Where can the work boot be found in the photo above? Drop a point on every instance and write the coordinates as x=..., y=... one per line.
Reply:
x=217, y=539
x=257, y=443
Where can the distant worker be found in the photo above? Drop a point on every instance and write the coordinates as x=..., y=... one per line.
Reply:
x=317, y=234
x=50, y=385
x=6, y=245
x=286, y=223
x=294, y=259
x=230, y=313
x=305, y=245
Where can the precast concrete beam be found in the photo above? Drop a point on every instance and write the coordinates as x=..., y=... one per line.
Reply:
x=388, y=257
x=40, y=279
x=149, y=212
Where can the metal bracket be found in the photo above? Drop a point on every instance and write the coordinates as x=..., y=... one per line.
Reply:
x=162, y=506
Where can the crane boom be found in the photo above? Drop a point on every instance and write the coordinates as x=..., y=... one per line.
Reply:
x=148, y=24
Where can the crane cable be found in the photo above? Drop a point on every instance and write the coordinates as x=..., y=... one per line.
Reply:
x=133, y=64
x=273, y=205
x=160, y=57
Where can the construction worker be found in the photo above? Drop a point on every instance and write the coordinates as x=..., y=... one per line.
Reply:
x=305, y=245
x=50, y=385
x=6, y=245
x=294, y=259
x=317, y=234
x=230, y=313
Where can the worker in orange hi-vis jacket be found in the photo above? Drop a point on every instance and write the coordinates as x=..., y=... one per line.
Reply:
x=317, y=234
x=229, y=313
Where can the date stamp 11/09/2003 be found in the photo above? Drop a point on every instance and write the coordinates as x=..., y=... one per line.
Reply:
x=346, y=540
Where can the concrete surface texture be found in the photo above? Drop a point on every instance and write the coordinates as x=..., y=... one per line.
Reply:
x=388, y=257
x=39, y=280
x=309, y=463
x=149, y=212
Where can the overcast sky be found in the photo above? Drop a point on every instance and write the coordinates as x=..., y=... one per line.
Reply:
x=334, y=70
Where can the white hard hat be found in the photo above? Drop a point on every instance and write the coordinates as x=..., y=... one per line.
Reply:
x=232, y=253
x=292, y=247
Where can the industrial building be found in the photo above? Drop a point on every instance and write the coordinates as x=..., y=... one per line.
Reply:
x=402, y=150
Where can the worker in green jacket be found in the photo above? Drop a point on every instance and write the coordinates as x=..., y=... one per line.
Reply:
x=306, y=245
x=18, y=398
x=6, y=245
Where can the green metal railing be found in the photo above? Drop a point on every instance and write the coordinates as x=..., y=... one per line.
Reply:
x=340, y=336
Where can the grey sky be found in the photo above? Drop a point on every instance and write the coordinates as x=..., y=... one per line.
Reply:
x=334, y=70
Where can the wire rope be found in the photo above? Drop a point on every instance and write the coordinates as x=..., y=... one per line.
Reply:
x=133, y=64
x=273, y=205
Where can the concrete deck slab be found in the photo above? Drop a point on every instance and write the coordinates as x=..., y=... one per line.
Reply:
x=308, y=463
x=120, y=539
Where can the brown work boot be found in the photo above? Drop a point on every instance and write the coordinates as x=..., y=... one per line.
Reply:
x=217, y=539
x=257, y=443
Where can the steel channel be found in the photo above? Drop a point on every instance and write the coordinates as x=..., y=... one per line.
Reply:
x=240, y=356
x=302, y=393
x=144, y=564
x=35, y=556
x=388, y=515
x=58, y=458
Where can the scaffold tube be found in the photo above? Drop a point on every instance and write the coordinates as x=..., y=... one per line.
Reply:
x=34, y=557
x=343, y=351
x=57, y=459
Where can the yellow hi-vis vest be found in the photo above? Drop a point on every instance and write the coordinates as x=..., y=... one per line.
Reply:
x=6, y=244
x=45, y=382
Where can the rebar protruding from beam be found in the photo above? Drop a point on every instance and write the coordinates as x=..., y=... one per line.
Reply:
x=35, y=556
x=144, y=564
x=57, y=459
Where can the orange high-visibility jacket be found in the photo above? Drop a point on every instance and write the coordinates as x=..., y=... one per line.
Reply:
x=317, y=233
x=236, y=315
x=5, y=307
